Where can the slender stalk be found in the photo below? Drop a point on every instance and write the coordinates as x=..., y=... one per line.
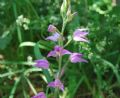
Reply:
x=68, y=43
x=56, y=93
x=17, y=63
x=10, y=73
x=47, y=91
x=61, y=44
x=18, y=29
x=63, y=68
x=19, y=33
x=31, y=86
x=14, y=87
x=60, y=57
x=63, y=27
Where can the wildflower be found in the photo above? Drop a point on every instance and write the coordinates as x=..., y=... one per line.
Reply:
x=52, y=28
x=42, y=64
x=56, y=84
x=80, y=35
x=29, y=58
x=40, y=95
x=77, y=57
x=23, y=22
x=54, y=37
x=58, y=51
x=19, y=20
x=25, y=26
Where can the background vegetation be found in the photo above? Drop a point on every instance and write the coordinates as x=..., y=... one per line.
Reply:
x=99, y=78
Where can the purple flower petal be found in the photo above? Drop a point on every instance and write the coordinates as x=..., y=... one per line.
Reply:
x=51, y=53
x=56, y=84
x=65, y=52
x=80, y=35
x=58, y=51
x=77, y=57
x=40, y=95
x=52, y=28
x=42, y=64
x=54, y=37
x=51, y=84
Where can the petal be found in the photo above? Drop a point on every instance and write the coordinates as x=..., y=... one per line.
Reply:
x=62, y=87
x=58, y=48
x=65, y=52
x=51, y=53
x=59, y=84
x=76, y=60
x=54, y=37
x=51, y=28
x=77, y=38
x=56, y=84
x=42, y=64
x=51, y=84
x=80, y=35
x=40, y=95
x=80, y=32
x=61, y=51
x=77, y=57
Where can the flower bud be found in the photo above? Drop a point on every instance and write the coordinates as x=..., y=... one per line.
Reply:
x=70, y=16
x=64, y=8
x=69, y=11
x=52, y=28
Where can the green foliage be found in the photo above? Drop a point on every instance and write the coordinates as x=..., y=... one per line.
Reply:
x=99, y=78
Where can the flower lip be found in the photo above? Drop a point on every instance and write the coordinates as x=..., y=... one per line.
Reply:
x=77, y=57
x=42, y=64
x=40, y=95
x=58, y=51
x=56, y=84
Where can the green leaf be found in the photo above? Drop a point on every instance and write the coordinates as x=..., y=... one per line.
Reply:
x=42, y=44
x=37, y=52
x=5, y=39
x=27, y=44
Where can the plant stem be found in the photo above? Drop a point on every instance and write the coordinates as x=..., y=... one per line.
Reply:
x=56, y=93
x=14, y=87
x=47, y=91
x=31, y=86
x=61, y=44
x=18, y=29
x=63, y=27
x=60, y=57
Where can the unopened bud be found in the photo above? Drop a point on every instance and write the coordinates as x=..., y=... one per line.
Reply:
x=71, y=16
x=69, y=11
x=64, y=8
x=52, y=28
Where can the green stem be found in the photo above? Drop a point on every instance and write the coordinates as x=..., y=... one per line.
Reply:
x=31, y=86
x=10, y=73
x=60, y=57
x=63, y=27
x=63, y=68
x=17, y=63
x=18, y=28
x=56, y=93
x=47, y=91
x=61, y=44
x=68, y=43
x=14, y=88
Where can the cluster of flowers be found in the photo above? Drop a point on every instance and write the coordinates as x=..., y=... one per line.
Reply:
x=23, y=22
x=78, y=35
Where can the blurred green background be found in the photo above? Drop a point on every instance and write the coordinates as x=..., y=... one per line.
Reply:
x=99, y=78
